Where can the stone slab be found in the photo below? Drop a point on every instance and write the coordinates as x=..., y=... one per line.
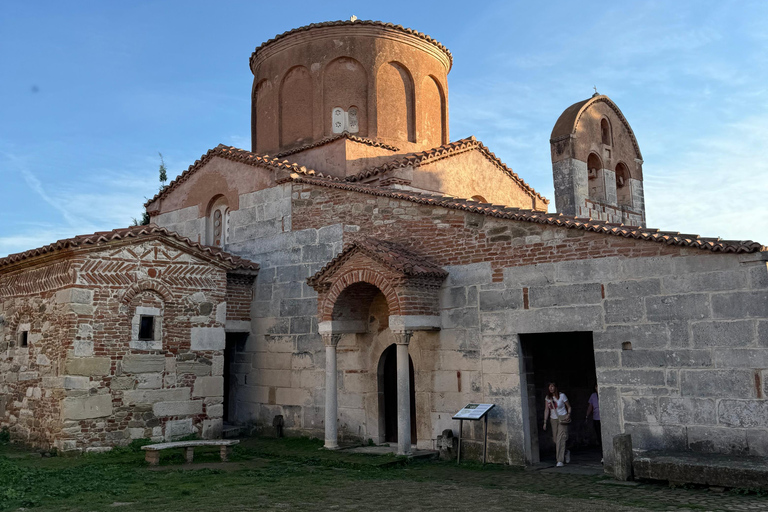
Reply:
x=143, y=363
x=208, y=338
x=88, y=366
x=86, y=407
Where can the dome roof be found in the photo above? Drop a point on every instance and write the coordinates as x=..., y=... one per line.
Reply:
x=356, y=22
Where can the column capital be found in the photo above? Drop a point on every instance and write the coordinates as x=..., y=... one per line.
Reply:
x=331, y=340
x=403, y=337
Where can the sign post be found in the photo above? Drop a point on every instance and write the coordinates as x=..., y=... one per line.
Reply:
x=473, y=412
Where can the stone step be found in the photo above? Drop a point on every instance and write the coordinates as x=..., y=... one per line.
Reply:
x=703, y=469
x=231, y=431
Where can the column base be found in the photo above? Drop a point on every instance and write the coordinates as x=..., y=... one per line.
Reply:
x=330, y=446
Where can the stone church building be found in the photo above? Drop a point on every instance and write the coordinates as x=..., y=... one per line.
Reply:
x=365, y=277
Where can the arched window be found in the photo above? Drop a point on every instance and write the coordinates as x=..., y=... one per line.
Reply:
x=479, y=199
x=217, y=222
x=605, y=132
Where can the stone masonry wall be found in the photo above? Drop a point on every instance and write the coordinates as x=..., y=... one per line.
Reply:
x=281, y=370
x=693, y=290
x=508, y=278
x=104, y=385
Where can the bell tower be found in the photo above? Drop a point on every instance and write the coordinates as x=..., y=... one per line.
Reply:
x=597, y=164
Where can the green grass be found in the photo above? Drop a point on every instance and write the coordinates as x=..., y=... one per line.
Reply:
x=292, y=473
x=96, y=481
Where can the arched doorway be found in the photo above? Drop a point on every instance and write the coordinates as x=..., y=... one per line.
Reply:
x=388, y=395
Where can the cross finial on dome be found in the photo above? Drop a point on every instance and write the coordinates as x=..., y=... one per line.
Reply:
x=596, y=93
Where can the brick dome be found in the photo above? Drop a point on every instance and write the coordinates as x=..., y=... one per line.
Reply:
x=371, y=79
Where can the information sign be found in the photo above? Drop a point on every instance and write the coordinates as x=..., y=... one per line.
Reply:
x=473, y=412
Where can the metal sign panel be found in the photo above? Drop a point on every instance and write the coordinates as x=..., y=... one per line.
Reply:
x=473, y=412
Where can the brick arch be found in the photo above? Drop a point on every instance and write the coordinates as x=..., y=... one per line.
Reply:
x=147, y=285
x=12, y=323
x=345, y=280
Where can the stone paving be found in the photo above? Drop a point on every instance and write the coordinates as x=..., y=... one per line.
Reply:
x=527, y=490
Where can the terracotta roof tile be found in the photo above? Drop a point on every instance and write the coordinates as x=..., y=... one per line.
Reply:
x=552, y=219
x=328, y=140
x=236, y=155
x=102, y=237
x=445, y=151
x=341, y=23
x=387, y=253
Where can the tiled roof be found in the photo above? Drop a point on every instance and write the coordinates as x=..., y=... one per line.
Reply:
x=552, y=219
x=387, y=253
x=236, y=155
x=445, y=151
x=341, y=23
x=345, y=135
x=85, y=241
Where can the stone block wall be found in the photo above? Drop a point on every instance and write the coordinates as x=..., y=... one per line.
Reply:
x=281, y=370
x=681, y=385
x=85, y=380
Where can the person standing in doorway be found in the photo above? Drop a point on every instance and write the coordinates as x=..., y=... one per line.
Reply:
x=558, y=412
x=593, y=410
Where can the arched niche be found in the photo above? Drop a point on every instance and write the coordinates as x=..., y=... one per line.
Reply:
x=217, y=222
x=478, y=198
x=623, y=191
x=296, y=106
x=395, y=103
x=432, y=108
x=265, y=117
x=345, y=85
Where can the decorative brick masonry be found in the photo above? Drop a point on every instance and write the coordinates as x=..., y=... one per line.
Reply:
x=116, y=336
x=409, y=282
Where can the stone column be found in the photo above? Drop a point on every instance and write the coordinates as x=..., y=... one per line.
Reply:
x=331, y=401
x=403, y=394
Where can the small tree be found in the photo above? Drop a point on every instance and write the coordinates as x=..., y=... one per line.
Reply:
x=144, y=220
x=163, y=172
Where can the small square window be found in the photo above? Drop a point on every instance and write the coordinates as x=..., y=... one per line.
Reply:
x=23, y=338
x=146, y=328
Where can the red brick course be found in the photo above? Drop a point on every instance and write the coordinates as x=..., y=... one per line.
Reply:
x=455, y=237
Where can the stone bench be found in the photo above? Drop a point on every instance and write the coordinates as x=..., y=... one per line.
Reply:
x=703, y=469
x=153, y=450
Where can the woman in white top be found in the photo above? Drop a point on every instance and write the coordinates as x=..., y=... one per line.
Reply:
x=558, y=411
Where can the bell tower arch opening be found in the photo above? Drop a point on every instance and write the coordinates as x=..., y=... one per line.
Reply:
x=595, y=176
x=623, y=192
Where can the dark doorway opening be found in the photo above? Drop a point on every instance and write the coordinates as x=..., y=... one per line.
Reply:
x=569, y=359
x=388, y=386
x=234, y=344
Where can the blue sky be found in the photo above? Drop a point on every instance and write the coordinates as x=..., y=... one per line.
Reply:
x=92, y=91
